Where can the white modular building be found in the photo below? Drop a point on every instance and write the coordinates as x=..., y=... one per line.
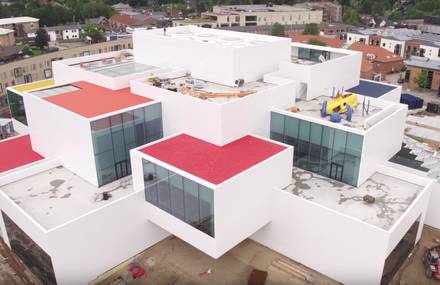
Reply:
x=214, y=137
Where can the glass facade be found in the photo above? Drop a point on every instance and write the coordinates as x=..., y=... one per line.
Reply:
x=312, y=54
x=114, y=136
x=16, y=106
x=184, y=199
x=330, y=152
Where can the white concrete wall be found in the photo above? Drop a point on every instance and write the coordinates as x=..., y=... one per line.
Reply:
x=382, y=141
x=431, y=52
x=183, y=113
x=23, y=220
x=244, y=203
x=223, y=123
x=390, y=44
x=355, y=38
x=340, y=73
x=208, y=60
x=251, y=114
x=19, y=127
x=345, y=249
x=88, y=246
x=417, y=209
x=56, y=132
x=393, y=95
x=433, y=215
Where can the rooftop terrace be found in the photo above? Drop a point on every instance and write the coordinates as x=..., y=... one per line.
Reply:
x=56, y=196
x=208, y=91
x=393, y=196
x=90, y=100
x=116, y=66
x=312, y=108
x=210, y=162
x=217, y=37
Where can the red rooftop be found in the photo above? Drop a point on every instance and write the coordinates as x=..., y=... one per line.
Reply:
x=92, y=100
x=16, y=152
x=210, y=162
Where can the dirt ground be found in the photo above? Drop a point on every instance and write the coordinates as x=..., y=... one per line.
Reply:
x=412, y=271
x=179, y=263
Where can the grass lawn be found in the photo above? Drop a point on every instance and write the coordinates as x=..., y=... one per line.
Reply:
x=37, y=51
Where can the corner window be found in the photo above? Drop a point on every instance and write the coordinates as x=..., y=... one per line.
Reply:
x=185, y=199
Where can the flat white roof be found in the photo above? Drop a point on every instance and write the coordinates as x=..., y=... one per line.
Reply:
x=17, y=20
x=5, y=31
x=56, y=196
x=393, y=196
x=227, y=39
x=210, y=91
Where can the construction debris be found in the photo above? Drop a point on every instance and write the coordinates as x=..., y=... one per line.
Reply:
x=293, y=270
x=205, y=273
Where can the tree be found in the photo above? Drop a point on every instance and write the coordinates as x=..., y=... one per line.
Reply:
x=26, y=50
x=92, y=33
x=42, y=38
x=311, y=29
x=316, y=42
x=278, y=30
x=421, y=79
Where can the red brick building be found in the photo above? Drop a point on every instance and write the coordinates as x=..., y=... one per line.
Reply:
x=382, y=60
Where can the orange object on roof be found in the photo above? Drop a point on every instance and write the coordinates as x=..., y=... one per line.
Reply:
x=92, y=100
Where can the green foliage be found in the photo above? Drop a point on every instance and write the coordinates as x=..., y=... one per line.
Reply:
x=52, y=15
x=92, y=33
x=26, y=50
x=316, y=42
x=421, y=79
x=351, y=17
x=42, y=38
x=311, y=29
x=278, y=30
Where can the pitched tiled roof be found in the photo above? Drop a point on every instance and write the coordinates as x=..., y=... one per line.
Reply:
x=380, y=54
x=132, y=21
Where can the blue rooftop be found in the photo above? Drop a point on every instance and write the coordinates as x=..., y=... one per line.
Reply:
x=371, y=88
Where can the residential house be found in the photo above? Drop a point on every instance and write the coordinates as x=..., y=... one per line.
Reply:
x=7, y=37
x=381, y=60
x=20, y=25
x=416, y=64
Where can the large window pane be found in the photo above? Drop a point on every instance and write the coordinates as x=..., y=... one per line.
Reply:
x=277, y=127
x=128, y=125
x=119, y=146
x=163, y=189
x=150, y=182
x=177, y=200
x=192, y=215
x=139, y=131
x=206, y=196
x=102, y=140
x=16, y=106
x=153, y=122
x=354, y=144
x=291, y=129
